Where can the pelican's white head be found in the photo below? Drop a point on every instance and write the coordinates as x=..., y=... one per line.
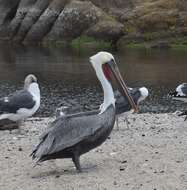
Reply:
x=105, y=66
x=101, y=58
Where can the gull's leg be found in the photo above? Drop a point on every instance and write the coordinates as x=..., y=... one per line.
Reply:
x=117, y=122
x=127, y=122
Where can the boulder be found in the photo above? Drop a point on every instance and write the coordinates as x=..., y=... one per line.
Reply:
x=31, y=18
x=63, y=20
x=108, y=30
x=8, y=9
x=76, y=17
x=46, y=21
x=23, y=8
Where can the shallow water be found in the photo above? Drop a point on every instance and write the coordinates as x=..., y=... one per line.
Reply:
x=66, y=76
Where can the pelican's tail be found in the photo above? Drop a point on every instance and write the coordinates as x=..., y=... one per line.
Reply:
x=43, y=148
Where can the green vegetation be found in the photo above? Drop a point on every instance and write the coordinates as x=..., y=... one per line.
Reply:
x=181, y=47
x=179, y=43
x=180, y=40
x=52, y=43
x=136, y=45
x=85, y=42
x=153, y=40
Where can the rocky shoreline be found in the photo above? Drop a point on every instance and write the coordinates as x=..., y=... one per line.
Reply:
x=149, y=154
x=122, y=23
x=84, y=98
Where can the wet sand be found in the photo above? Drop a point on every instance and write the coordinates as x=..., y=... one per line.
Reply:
x=149, y=154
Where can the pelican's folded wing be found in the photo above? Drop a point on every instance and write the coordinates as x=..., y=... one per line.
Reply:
x=68, y=131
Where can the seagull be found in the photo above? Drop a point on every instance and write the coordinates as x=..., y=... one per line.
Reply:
x=72, y=135
x=61, y=111
x=23, y=103
x=122, y=104
x=180, y=94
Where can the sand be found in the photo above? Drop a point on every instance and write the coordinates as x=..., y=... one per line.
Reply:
x=149, y=154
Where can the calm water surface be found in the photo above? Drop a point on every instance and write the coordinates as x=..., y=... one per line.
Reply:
x=67, y=77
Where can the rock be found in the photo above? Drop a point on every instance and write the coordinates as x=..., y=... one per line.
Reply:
x=14, y=25
x=7, y=10
x=115, y=183
x=46, y=21
x=122, y=168
x=31, y=18
x=149, y=21
x=20, y=149
x=28, y=21
x=75, y=18
x=6, y=124
x=109, y=30
x=33, y=21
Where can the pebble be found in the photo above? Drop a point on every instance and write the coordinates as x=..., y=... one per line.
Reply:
x=90, y=97
x=122, y=168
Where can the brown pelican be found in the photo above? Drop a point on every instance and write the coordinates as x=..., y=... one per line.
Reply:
x=122, y=104
x=22, y=104
x=180, y=94
x=72, y=135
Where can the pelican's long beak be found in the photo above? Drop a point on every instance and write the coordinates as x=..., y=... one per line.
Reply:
x=120, y=81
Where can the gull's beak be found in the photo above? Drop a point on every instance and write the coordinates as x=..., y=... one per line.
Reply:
x=120, y=81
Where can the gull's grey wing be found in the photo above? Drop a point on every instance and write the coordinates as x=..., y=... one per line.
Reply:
x=184, y=89
x=20, y=99
x=122, y=104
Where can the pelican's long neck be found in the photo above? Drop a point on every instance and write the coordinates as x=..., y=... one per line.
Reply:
x=107, y=88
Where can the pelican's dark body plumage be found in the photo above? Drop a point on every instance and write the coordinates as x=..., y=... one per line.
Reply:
x=72, y=135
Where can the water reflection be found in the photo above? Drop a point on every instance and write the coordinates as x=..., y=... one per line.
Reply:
x=158, y=67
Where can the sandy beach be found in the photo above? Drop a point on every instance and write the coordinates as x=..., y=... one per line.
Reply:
x=149, y=154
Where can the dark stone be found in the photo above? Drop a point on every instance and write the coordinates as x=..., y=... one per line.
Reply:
x=6, y=124
x=45, y=23
x=75, y=18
